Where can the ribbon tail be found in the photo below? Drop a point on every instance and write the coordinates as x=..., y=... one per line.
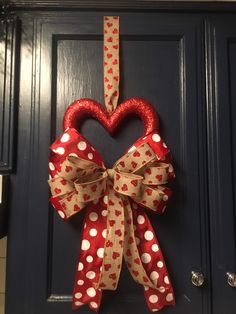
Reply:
x=91, y=257
x=131, y=252
x=113, y=248
x=153, y=262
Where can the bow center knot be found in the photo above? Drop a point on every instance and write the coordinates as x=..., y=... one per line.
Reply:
x=110, y=173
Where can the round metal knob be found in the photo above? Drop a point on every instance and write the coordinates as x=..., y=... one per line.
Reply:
x=231, y=279
x=197, y=278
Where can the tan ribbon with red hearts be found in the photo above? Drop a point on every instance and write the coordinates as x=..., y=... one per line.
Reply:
x=111, y=61
x=137, y=175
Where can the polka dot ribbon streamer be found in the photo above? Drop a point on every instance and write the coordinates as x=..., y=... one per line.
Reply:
x=116, y=224
x=111, y=61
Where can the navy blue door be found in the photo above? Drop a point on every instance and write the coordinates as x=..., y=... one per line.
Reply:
x=61, y=60
x=221, y=50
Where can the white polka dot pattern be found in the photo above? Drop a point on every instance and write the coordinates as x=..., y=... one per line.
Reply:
x=146, y=258
x=85, y=245
x=89, y=273
x=93, y=232
x=100, y=252
x=82, y=145
x=89, y=259
x=91, y=292
x=153, y=298
x=65, y=138
x=51, y=166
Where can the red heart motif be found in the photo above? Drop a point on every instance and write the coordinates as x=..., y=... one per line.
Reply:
x=115, y=255
x=118, y=233
x=115, y=46
x=111, y=203
x=133, y=164
x=110, y=71
x=63, y=182
x=117, y=213
x=82, y=108
x=117, y=176
x=124, y=187
x=109, y=244
x=115, y=62
x=134, y=182
x=159, y=177
x=57, y=190
x=109, y=55
x=86, y=197
x=148, y=191
x=113, y=276
x=145, y=279
x=110, y=40
x=69, y=198
x=122, y=163
x=68, y=168
x=111, y=223
x=76, y=208
x=107, y=267
x=148, y=153
x=137, y=261
x=135, y=272
x=128, y=252
x=102, y=285
x=136, y=154
x=131, y=240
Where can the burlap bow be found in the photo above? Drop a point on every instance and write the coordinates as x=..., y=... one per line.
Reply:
x=137, y=175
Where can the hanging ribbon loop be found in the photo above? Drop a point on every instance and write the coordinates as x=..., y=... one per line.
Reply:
x=111, y=61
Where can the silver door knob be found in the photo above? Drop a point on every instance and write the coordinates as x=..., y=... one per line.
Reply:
x=231, y=279
x=197, y=278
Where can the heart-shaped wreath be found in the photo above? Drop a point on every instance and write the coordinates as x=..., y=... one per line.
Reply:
x=116, y=224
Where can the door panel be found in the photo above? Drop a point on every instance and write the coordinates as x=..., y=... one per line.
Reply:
x=221, y=36
x=161, y=61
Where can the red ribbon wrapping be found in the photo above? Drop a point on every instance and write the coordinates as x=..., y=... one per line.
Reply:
x=86, y=291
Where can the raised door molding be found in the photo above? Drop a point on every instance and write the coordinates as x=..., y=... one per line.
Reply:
x=9, y=69
x=144, y=5
x=220, y=91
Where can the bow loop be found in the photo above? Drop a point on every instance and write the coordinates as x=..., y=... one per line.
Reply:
x=91, y=187
x=157, y=174
x=127, y=183
x=135, y=160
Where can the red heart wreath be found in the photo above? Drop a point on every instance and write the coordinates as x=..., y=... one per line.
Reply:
x=116, y=224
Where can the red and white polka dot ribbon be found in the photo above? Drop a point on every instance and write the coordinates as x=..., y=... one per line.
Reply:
x=140, y=247
x=111, y=61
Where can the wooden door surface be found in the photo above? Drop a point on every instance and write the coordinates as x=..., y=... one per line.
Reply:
x=61, y=60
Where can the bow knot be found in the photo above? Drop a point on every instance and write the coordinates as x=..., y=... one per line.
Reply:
x=110, y=173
